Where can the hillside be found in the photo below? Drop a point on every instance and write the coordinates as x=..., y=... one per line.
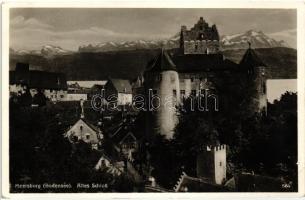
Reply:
x=281, y=63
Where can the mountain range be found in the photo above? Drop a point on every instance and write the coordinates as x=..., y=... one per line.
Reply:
x=237, y=41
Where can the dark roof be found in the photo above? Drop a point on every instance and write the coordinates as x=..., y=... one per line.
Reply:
x=121, y=85
x=162, y=62
x=120, y=132
x=250, y=59
x=39, y=79
x=202, y=62
x=191, y=184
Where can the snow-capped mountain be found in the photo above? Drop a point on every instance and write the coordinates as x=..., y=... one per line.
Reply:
x=237, y=41
x=171, y=43
x=47, y=51
x=257, y=39
x=50, y=51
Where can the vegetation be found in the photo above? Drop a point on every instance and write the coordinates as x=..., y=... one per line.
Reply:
x=265, y=145
x=39, y=153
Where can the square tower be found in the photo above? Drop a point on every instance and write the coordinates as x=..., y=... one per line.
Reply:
x=211, y=164
x=200, y=39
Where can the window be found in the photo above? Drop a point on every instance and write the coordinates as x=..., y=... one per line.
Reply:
x=192, y=79
x=220, y=164
x=182, y=92
x=61, y=96
x=175, y=93
x=193, y=92
x=81, y=127
x=87, y=137
x=196, y=46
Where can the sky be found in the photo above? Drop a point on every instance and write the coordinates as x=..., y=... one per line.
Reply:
x=277, y=87
x=69, y=28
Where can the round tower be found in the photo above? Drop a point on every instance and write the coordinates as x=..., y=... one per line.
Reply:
x=256, y=73
x=163, y=94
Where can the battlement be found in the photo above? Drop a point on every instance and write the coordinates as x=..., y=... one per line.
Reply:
x=211, y=163
x=215, y=148
x=200, y=39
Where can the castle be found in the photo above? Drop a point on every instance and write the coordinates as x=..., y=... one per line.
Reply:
x=192, y=70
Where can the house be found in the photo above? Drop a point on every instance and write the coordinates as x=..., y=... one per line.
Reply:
x=125, y=141
x=52, y=85
x=84, y=90
x=118, y=91
x=85, y=131
x=86, y=83
x=96, y=89
x=77, y=95
x=106, y=164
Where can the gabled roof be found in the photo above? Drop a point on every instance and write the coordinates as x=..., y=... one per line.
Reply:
x=250, y=59
x=91, y=126
x=162, y=62
x=121, y=85
x=121, y=133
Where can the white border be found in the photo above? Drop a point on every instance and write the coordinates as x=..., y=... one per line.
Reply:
x=299, y=5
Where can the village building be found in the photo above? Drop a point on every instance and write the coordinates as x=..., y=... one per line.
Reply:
x=118, y=91
x=52, y=85
x=85, y=131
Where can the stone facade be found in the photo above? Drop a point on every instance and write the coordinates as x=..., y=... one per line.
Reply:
x=200, y=39
x=211, y=164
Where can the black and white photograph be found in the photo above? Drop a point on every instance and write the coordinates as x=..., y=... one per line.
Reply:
x=150, y=100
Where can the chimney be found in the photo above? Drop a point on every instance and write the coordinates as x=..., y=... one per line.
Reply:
x=82, y=115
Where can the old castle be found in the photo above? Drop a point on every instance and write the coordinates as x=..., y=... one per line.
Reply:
x=193, y=69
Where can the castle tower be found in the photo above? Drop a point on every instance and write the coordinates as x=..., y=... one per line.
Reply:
x=163, y=92
x=200, y=39
x=211, y=164
x=256, y=73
